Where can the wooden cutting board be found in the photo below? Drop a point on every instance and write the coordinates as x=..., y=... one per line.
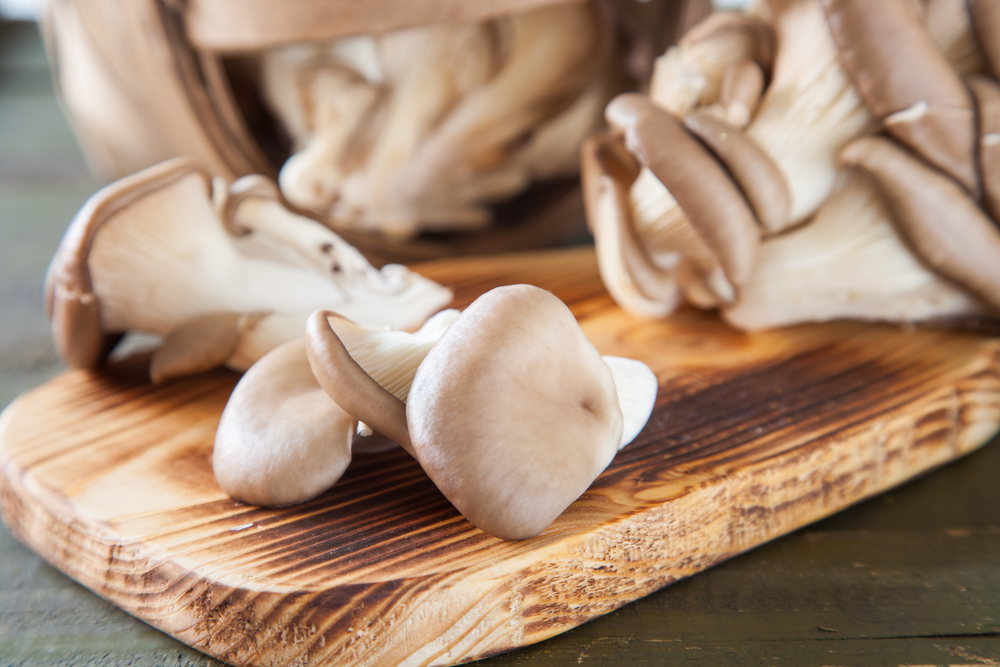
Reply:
x=753, y=435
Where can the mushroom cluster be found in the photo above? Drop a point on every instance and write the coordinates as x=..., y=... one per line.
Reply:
x=421, y=129
x=507, y=406
x=225, y=273
x=809, y=160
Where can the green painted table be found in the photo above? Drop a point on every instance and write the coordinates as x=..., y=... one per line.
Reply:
x=909, y=578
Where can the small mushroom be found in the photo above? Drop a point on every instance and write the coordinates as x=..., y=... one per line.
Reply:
x=423, y=129
x=513, y=413
x=281, y=439
x=168, y=251
x=935, y=214
x=742, y=86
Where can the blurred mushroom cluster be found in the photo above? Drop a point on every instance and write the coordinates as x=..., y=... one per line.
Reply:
x=414, y=130
x=422, y=128
x=809, y=160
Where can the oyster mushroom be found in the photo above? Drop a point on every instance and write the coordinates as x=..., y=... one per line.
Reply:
x=512, y=413
x=281, y=439
x=167, y=251
x=710, y=200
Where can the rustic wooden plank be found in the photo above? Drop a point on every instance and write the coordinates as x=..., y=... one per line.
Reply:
x=754, y=435
x=247, y=25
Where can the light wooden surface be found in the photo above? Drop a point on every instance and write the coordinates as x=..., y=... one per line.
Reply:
x=753, y=436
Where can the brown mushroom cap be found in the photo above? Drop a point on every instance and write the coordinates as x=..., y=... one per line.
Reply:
x=281, y=440
x=936, y=216
x=513, y=413
x=712, y=202
x=751, y=167
x=349, y=385
x=73, y=308
x=986, y=25
x=987, y=94
x=905, y=80
x=195, y=346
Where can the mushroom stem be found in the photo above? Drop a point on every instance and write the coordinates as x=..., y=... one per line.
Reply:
x=741, y=89
x=350, y=386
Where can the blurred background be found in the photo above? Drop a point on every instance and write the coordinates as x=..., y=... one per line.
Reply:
x=43, y=181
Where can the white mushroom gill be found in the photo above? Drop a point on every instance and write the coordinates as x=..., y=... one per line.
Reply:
x=848, y=262
x=810, y=110
x=673, y=245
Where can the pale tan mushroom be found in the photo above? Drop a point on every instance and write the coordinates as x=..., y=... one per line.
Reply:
x=704, y=191
x=423, y=129
x=282, y=439
x=669, y=221
x=167, y=251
